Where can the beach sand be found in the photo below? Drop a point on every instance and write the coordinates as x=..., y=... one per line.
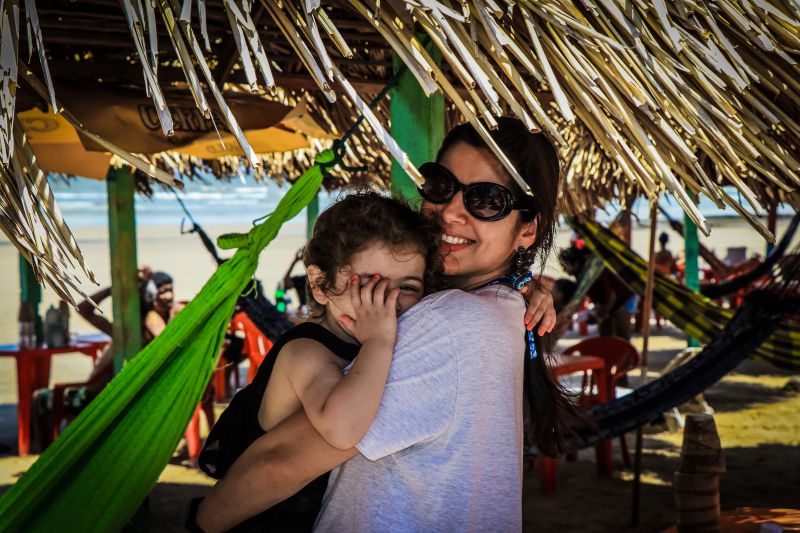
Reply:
x=757, y=418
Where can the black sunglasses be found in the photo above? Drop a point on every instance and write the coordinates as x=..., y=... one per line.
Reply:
x=486, y=201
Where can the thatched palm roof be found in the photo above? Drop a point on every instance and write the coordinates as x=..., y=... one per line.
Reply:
x=683, y=96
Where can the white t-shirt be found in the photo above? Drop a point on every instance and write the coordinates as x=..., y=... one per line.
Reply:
x=444, y=452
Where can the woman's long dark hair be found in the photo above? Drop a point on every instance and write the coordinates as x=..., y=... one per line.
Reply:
x=536, y=160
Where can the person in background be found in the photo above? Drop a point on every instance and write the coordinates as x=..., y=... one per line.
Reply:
x=610, y=295
x=157, y=308
x=562, y=290
x=157, y=299
x=665, y=261
x=298, y=282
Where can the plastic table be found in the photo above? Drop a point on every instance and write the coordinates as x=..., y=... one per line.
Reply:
x=563, y=365
x=33, y=372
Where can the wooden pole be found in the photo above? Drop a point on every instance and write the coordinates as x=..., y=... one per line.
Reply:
x=772, y=223
x=127, y=328
x=692, y=267
x=648, y=304
x=417, y=126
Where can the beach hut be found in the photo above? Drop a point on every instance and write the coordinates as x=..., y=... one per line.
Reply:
x=633, y=98
x=638, y=96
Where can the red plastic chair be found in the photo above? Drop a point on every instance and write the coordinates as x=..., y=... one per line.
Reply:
x=621, y=357
x=256, y=346
x=192, y=434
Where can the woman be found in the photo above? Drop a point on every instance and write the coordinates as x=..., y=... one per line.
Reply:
x=445, y=449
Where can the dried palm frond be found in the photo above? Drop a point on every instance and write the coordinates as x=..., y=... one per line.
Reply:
x=31, y=219
x=9, y=50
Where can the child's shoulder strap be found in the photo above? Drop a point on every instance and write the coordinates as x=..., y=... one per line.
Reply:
x=317, y=332
x=306, y=330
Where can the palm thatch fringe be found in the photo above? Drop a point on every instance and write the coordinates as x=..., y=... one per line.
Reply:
x=635, y=93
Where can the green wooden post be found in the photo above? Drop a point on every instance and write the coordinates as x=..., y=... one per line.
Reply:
x=417, y=126
x=127, y=338
x=692, y=268
x=312, y=212
x=31, y=292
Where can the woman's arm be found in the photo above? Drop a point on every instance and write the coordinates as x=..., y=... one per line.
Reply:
x=154, y=323
x=274, y=467
x=88, y=311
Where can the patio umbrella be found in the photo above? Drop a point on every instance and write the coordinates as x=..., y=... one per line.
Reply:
x=132, y=124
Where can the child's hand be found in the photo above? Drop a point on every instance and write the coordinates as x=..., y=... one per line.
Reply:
x=375, y=310
x=540, y=307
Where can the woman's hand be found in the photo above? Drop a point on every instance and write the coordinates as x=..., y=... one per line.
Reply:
x=540, y=307
x=144, y=273
x=375, y=310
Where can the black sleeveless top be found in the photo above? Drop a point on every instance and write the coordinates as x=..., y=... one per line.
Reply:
x=238, y=427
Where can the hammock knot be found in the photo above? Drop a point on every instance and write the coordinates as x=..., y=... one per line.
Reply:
x=229, y=241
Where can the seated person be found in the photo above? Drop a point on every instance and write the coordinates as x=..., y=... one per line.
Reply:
x=157, y=308
x=609, y=294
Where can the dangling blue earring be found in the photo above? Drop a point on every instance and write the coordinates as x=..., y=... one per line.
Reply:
x=520, y=279
x=519, y=260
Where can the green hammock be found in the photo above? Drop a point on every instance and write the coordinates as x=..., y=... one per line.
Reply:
x=96, y=474
x=695, y=314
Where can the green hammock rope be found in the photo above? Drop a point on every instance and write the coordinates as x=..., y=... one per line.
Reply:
x=695, y=314
x=96, y=474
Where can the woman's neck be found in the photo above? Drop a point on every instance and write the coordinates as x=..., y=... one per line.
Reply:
x=472, y=282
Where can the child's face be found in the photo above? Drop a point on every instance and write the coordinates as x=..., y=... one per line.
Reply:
x=404, y=268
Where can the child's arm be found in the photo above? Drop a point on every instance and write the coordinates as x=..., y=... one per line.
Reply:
x=340, y=408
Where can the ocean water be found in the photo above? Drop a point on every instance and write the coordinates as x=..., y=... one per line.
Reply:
x=84, y=203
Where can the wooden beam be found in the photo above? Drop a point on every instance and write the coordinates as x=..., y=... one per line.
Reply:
x=132, y=72
x=417, y=126
x=127, y=321
x=645, y=357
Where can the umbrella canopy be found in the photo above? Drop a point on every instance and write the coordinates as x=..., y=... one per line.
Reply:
x=133, y=125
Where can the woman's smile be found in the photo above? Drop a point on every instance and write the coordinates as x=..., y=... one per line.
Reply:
x=452, y=242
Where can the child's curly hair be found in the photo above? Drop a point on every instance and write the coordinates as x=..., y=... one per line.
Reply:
x=352, y=224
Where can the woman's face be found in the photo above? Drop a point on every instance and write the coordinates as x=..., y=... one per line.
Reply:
x=477, y=251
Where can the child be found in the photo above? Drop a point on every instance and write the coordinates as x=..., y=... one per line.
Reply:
x=370, y=259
